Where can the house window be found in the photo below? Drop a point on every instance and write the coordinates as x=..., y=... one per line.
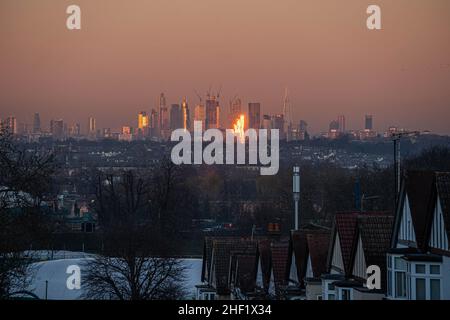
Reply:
x=400, y=284
x=421, y=292
x=435, y=289
x=331, y=297
x=331, y=286
x=420, y=268
x=435, y=269
x=345, y=294
x=319, y=297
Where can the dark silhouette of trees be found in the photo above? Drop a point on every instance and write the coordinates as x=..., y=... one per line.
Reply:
x=25, y=177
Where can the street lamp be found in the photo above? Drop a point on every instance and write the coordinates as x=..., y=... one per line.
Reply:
x=296, y=192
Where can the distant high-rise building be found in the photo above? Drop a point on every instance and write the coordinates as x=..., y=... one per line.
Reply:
x=92, y=126
x=36, y=123
x=303, y=126
x=212, y=111
x=235, y=112
x=143, y=121
x=154, y=121
x=57, y=129
x=176, y=121
x=185, y=115
x=10, y=124
x=164, y=122
x=334, y=125
x=254, y=119
x=200, y=114
x=266, y=122
x=278, y=123
x=368, y=123
x=341, y=121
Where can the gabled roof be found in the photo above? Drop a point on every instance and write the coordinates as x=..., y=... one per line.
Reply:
x=298, y=246
x=221, y=259
x=418, y=185
x=443, y=191
x=345, y=226
x=280, y=258
x=375, y=233
x=264, y=257
x=318, y=244
x=245, y=272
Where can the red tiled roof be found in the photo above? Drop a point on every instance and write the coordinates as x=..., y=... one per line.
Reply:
x=318, y=244
x=345, y=226
x=298, y=246
x=245, y=272
x=280, y=253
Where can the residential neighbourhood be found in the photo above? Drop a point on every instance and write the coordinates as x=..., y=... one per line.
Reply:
x=408, y=249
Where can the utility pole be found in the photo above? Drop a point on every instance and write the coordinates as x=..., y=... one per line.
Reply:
x=296, y=193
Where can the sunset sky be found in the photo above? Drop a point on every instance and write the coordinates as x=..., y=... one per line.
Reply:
x=129, y=51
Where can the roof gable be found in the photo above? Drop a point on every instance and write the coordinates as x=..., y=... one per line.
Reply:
x=443, y=192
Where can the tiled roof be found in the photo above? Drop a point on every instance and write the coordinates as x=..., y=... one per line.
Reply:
x=245, y=272
x=345, y=226
x=318, y=244
x=222, y=249
x=280, y=253
x=443, y=189
x=298, y=246
x=264, y=254
x=375, y=232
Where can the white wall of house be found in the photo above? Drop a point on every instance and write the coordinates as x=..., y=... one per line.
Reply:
x=406, y=231
x=313, y=291
x=337, y=262
x=438, y=237
x=359, y=264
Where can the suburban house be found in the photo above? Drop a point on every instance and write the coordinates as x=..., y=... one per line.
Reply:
x=318, y=243
x=308, y=250
x=358, y=240
x=372, y=242
x=418, y=262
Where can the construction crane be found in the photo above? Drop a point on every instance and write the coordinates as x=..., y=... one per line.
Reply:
x=396, y=137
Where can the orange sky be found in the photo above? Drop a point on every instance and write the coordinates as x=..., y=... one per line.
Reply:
x=130, y=50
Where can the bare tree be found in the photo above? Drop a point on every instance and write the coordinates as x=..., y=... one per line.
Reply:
x=24, y=178
x=134, y=264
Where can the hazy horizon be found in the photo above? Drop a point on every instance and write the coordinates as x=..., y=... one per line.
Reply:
x=128, y=52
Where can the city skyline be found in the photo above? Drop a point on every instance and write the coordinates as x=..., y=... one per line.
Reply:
x=127, y=54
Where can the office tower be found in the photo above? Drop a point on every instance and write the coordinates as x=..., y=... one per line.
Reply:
x=176, y=121
x=10, y=124
x=199, y=114
x=57, y=129
x=266, y=122
x=254, y=119
x=303, y=125
x=154, y=121
x=278, y=123
x=212, y=111
x=77, y=129
x=36, y=123
x=369, y=123
x=235, y=111
x=92, y=126
x=126, y=130
x=185, y=115
x=341, y=120
x=333, y=129
x=143, y=121
x=164, y=122
x=106, y=133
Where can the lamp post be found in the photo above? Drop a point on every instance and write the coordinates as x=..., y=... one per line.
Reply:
x=296, y=193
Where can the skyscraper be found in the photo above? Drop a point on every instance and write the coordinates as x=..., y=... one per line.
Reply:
x=341, y=121
x=199, y=114
x=212, y=113
x=36, y=123
x=254, y=119
x=164, y=122
x=154, y=121
x=235, y=111
x=57, y=129
x=143, y=121
x=11, y=125
x=368, y=123
x=176, y=121
x=278, y=123
x=185, y=115
x=92, y=126
x=266, y=123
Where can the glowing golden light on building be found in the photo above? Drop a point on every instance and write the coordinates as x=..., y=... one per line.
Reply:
x=239, y=128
